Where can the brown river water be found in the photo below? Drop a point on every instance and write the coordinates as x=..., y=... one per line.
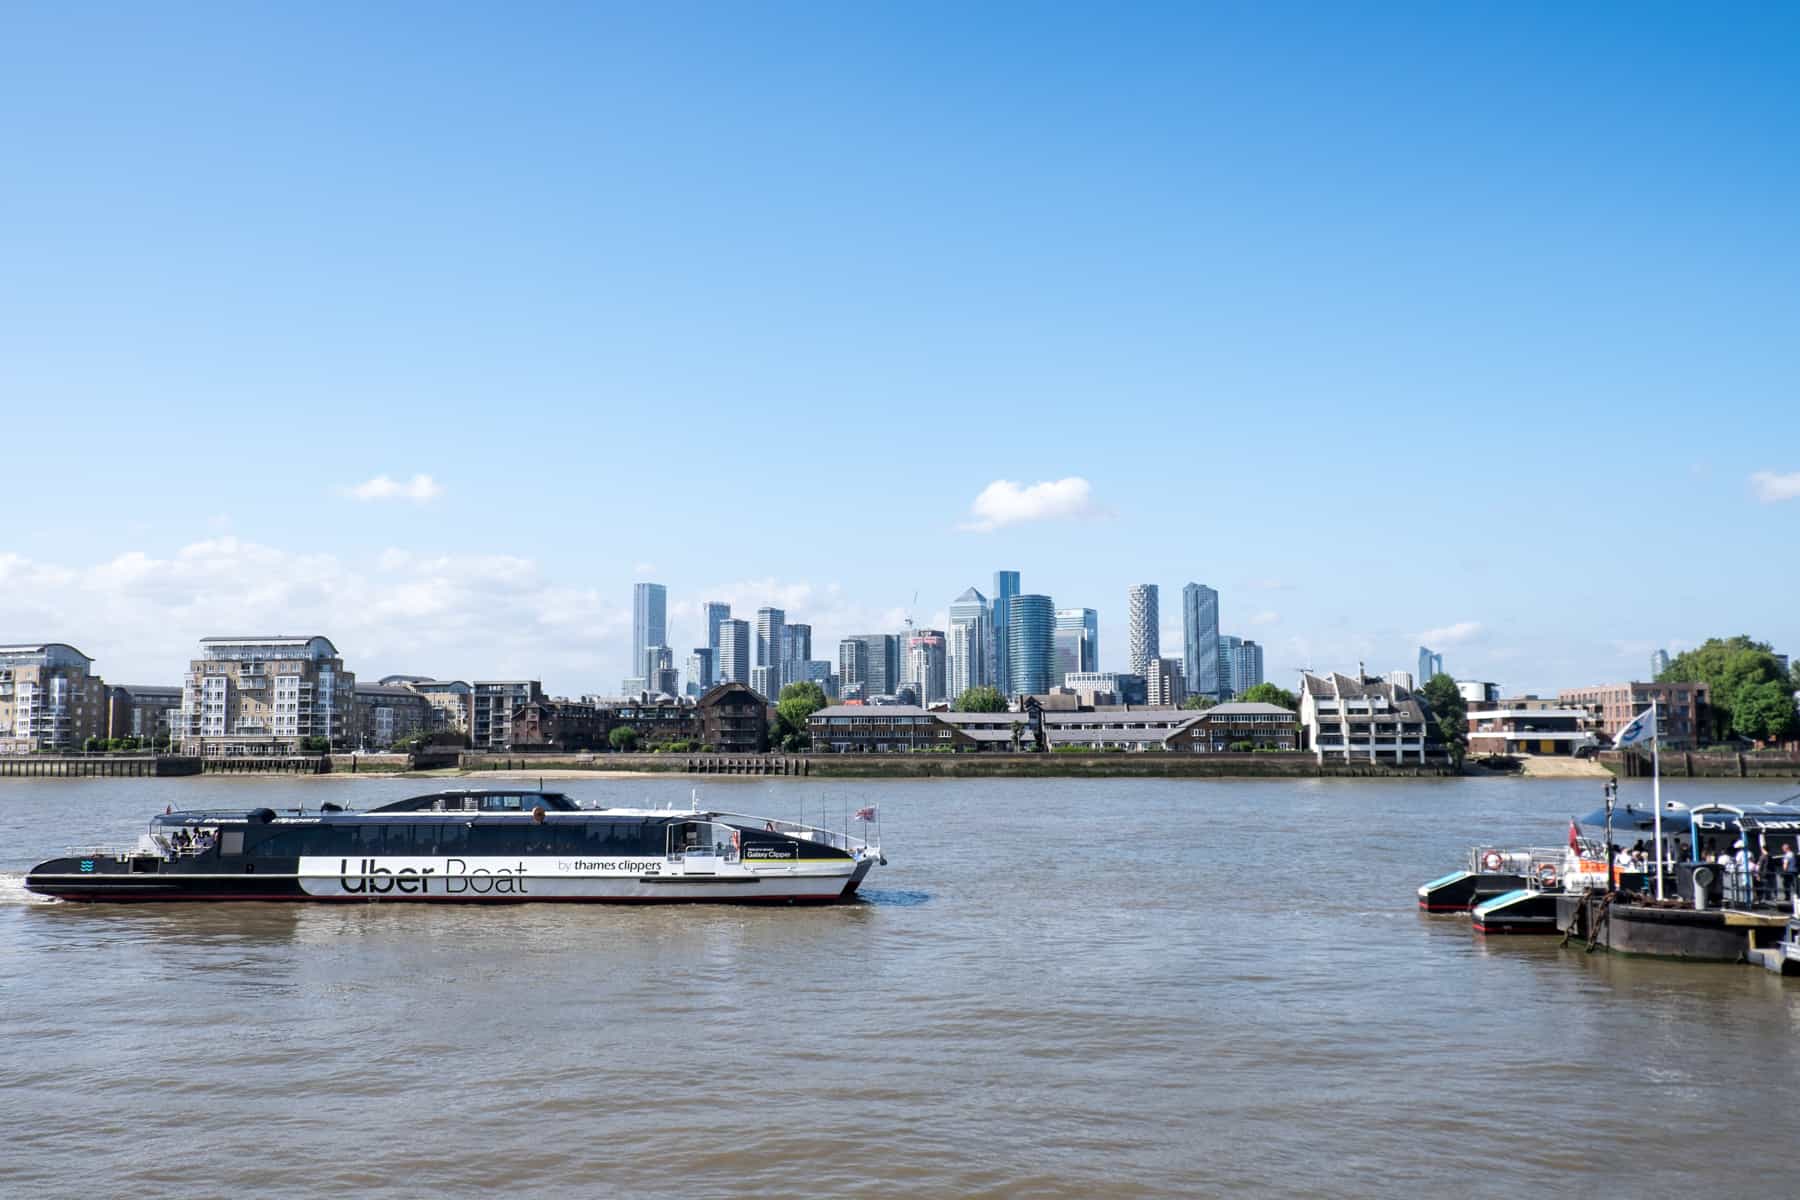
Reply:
x=1056, y=988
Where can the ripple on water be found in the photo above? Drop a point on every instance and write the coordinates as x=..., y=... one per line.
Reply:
x=1057, y=988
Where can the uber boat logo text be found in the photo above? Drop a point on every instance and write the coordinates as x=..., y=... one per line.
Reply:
x=457, y=879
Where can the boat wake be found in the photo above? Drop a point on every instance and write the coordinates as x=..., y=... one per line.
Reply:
x=12, y=890
x=902, y=899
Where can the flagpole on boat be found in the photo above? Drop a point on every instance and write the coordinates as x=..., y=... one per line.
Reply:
x=1656, y=790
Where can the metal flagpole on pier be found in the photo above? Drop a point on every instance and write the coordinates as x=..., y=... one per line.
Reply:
x=1656, y=790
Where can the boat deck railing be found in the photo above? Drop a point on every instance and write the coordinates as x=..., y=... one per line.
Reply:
x=807, y=833
x=1513, y=861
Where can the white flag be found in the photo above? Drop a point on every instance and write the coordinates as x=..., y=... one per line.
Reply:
x=1641, y=729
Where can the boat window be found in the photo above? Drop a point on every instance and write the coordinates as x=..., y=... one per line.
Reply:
x=507, y=803
x=232, y=842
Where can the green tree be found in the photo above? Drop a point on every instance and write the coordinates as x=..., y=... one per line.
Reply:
x=1199, y=703
x=315, y=745
x=623, y=738
x=797, y=702
x=1449, y=714
x=1750, y=694
x=981, y=700
x=1268, y=693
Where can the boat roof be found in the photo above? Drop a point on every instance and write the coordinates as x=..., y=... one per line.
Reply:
x=1640, y=819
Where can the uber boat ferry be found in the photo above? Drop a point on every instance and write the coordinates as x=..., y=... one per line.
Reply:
x=476, y=846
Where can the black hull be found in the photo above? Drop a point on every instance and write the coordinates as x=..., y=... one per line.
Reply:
x=1682, y=933
x=1520, y=913
x=152, y=881
x=1465, y=889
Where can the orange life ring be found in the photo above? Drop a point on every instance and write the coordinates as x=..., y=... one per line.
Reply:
x=1546, y=875
x=1493, y=860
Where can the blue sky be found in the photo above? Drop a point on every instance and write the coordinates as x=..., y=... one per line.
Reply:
x=1380, y=319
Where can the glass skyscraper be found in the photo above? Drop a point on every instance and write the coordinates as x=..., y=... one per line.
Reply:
x=1006, y=586
x=971, y=643
x=1200, y=637
x=1031, y=644
x=649, y=623
x=1077, y=643
x=1431, y=664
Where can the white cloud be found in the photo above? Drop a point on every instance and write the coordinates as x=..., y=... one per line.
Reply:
x=1267, y=617
x=419, y=489
x=1004, y=502
x=1772, y=488
x=453, y=615
x=643, y=570
x=1450, y=635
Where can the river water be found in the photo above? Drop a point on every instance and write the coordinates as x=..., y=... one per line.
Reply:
x=1056, y=988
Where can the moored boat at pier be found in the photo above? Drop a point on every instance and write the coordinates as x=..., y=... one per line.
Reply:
x=505, y=846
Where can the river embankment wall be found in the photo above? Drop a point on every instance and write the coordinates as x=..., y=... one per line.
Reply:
x=958, y=766
x=1698, y=764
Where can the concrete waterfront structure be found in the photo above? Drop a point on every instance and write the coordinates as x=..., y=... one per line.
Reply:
x=50, y=698
x=494, y=703
x=1031, y=649
x=1200, y=640
x=1357, y=717
x=1144, y=633
x=649, y=623
x=969, y=651
x=734, y=651
x=1006, y=586
x=1684, y=710
x=259, y=696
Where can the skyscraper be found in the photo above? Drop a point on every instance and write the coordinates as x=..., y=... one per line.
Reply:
x=715, y=611
x=649, y=622
x=770, y=625
x=1031, y=649
x=1247, y=668
x=1145, y=634
x=1200, y=637
x=700, y=670
x=1430, y=664
x=734, y=651
x=873, y=662
x=1077, y=644
x=1164, y=686
x=1229, y=685
x=969, y=653
x=1659, y=662
x=1006, y=586
x=796, y=643
x=925, y=664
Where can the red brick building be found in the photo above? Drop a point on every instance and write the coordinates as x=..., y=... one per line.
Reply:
x=1684, y=710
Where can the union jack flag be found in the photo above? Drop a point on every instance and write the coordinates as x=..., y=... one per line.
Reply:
x=866, y=814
